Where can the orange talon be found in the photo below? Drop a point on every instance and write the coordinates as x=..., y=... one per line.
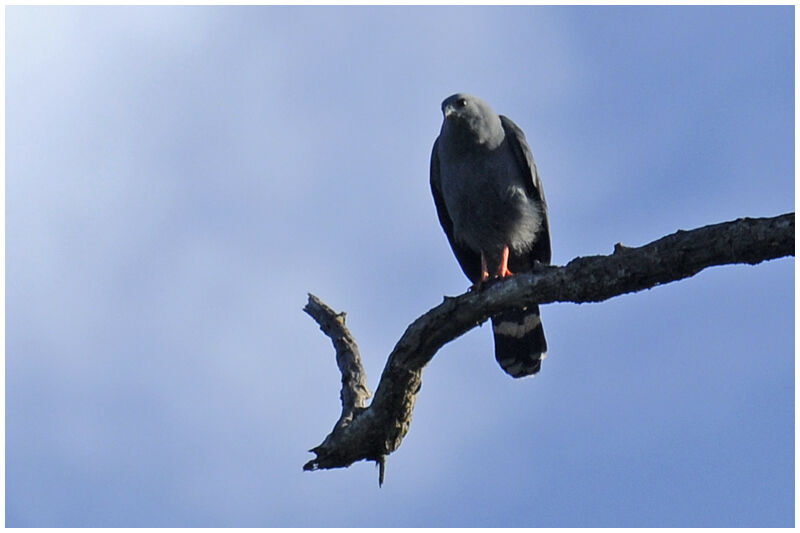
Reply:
x=484, y=269
x=503, y=271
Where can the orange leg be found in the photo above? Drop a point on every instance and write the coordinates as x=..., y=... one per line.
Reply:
x=503, y=271
x=484, y=269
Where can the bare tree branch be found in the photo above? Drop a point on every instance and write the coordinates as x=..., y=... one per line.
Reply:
x=374, y=432
x=355, y=391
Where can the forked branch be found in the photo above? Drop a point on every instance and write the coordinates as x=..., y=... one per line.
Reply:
x=372, y=432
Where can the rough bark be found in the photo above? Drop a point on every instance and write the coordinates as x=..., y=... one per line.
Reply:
x=372, y=432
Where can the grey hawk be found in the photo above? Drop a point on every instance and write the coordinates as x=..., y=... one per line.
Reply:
x=490, y=202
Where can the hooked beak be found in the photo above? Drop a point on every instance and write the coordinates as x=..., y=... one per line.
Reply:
x=449, y=110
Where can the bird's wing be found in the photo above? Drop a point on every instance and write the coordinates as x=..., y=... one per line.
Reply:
x=469, y=260
x=519, y=146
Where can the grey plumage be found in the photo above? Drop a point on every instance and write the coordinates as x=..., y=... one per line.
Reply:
x=490, y=201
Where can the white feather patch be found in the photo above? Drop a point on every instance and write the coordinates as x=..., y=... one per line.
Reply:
x=512, y=329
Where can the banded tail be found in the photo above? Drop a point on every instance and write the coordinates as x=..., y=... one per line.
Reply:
x=519, y=343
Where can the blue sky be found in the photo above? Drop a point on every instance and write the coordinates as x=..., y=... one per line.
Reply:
x=177, y=179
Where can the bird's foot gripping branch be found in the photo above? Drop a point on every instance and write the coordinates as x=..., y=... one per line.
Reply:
x=373, y=432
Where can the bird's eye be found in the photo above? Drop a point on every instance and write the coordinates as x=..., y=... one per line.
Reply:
x=462, y=102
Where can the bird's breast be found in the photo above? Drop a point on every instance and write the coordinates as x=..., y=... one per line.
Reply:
x=486, y=199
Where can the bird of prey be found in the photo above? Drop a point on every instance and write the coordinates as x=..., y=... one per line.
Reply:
x=490, y=202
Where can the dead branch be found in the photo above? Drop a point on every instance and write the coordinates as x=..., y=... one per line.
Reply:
x=375, y=431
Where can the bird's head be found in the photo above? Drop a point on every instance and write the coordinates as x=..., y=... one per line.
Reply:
x=467, y=114
x=461, y=106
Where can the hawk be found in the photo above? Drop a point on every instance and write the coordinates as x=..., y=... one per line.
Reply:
x=491, y=205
